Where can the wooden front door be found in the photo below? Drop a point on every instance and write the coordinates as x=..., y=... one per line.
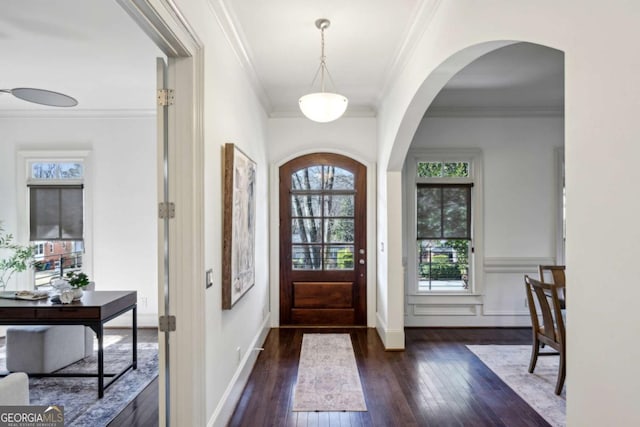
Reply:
x=323, y=272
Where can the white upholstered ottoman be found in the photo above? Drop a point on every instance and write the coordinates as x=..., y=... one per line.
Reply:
x=44, y=349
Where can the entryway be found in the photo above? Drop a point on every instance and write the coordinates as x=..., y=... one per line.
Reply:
x=323, y=219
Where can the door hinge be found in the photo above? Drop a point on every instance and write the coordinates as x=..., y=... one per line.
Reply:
x=166, y=210
x=167, y=323
x=165, y=97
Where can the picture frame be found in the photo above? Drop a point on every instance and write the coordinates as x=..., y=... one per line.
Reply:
x=239, y=213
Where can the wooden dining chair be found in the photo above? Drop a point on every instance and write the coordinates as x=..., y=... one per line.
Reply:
x=556, y=275
x=551, y=331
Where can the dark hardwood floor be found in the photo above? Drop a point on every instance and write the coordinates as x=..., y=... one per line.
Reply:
x=435, y=382
x=143, y=410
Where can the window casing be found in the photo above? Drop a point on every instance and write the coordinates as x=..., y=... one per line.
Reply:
x=443, y=203
x=56, y=211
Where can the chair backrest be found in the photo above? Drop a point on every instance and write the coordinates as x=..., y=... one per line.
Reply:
x=556, y=274
x=546, y=296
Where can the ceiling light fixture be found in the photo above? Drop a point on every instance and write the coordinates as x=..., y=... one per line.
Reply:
x=323, y=106
x=42, y=96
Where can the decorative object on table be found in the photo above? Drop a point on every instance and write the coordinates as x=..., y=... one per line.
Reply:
x=15, y=258
x=323, y=106
x=42, y=96
x=238, y=256
x=78, y=281
x=67, y=296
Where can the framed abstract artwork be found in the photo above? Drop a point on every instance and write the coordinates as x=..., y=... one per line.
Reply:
x=239, y=213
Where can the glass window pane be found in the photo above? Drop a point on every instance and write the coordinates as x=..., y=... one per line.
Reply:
x=429, y=215
x=429, y=169
x=307, y=179
x=45, y=213
x=338, y=205
x=306, y=230
x=339, y=230
x=455, y=169
x=70, y=170
x=305, y=205
x=44, y=170
x=455, y=209
x=56, y=170
x=71, y=218
x=306, y=257
x=336, y=178
x=338, y=257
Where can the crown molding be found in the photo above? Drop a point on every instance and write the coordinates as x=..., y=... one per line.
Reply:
x=233, y=33
x=77, y=114
x=494, y=112
x=423, y=17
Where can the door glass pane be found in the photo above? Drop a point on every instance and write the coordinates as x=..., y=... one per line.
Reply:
x=339, y=230
x=307, y=179
x=306, y=257
x=336, y=178
x=338, y=257
x=338, y=205
x=305, y=205
x=306, y=230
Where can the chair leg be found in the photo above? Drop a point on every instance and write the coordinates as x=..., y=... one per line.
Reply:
x=535, y=348
x=561, y=374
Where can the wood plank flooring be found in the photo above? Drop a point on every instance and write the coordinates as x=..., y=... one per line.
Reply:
x=143, y=410
x=435, y=382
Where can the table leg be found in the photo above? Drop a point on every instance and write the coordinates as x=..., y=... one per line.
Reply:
x=99, y=335
x=135, y=337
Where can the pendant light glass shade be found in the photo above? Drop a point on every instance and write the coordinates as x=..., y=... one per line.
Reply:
x=323, y=106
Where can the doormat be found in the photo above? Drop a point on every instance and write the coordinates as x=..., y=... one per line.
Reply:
x=328, y=378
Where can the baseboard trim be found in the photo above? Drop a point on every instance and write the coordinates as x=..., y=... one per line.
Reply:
x=232, y=394
x=145, y=320
x=392, y=339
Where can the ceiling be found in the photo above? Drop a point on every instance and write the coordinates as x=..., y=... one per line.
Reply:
x=70, y=46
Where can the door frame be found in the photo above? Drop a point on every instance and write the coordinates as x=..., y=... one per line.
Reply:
x=372, y=241
x=184, y=404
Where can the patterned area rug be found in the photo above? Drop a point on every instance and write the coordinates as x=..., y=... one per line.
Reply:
x=511, y=364
x=79, y=396
x=328, y=377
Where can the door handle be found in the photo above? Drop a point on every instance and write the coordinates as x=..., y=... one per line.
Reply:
x=361, y=261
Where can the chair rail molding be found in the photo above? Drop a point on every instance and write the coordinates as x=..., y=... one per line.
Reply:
x=515, y=264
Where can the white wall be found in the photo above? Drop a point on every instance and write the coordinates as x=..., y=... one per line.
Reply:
x=601, y=127
x=519, y=214
x=122, y=172
x=234, y=114
x=354, y=137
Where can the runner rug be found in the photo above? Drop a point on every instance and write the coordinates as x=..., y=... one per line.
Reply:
x=511, y=364
x=79, y=396
x=328, y=377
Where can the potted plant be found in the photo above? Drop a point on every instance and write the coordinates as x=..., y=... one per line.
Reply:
x=18, y=257
x=78, y=281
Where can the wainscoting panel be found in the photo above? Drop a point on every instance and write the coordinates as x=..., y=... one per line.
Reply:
x=501, y=300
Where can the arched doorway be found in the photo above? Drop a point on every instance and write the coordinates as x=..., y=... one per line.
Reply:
x=323, y=241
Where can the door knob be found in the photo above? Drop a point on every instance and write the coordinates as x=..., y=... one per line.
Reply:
x=361, y=261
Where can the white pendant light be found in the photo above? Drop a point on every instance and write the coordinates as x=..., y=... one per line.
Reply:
x=323, y=106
